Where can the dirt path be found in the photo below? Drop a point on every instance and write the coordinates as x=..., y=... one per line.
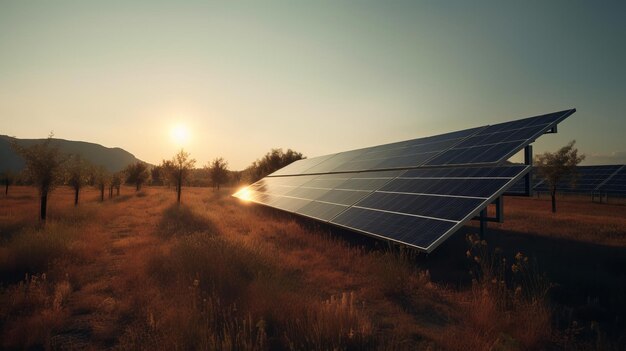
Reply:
x=99, y=308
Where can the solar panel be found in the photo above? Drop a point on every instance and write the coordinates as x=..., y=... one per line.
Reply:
x=499, y=142
x=422, y=207
x=586, y=180
x=416, y=192
x=616, y=184
x=486, y=145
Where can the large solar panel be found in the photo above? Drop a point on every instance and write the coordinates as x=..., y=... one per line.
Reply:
x=416, y=192
x=486, y=145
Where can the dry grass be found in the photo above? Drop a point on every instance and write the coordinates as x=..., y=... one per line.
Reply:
x=576, y=219
x=139, y=272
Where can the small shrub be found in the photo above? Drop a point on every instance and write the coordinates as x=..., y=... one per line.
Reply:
x=34, y=249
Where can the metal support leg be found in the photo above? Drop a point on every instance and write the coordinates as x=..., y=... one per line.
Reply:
x=483, y=223
x=528, y=178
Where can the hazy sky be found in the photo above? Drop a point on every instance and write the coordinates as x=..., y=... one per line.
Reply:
x=318, y=77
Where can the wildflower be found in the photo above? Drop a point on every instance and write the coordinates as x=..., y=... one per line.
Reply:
x=519, y=256
x=514, y=268
x=196, y=282
x=477, y=259
x=468, y=254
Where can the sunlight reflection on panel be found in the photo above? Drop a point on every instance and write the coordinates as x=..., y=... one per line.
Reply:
x=244, y=194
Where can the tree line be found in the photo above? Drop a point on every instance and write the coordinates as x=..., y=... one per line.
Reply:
x=46, y=168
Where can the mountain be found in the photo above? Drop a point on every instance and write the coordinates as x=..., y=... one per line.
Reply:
x=113, y=159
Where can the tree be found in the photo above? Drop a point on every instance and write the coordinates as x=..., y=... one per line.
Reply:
x=7, y=177
x=101, y=178
x=156, y=175
x=272, y=161
x=178, y=170
x=116, y=182
x=218, y=171
x=77, y=171
x=137, y=174
x=44, y=168
x=554, y=167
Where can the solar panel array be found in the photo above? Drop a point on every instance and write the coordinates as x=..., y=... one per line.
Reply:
x=416, y=192
x=609, y=179
x=616, y=184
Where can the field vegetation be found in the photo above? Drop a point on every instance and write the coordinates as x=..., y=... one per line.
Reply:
x=141, y=272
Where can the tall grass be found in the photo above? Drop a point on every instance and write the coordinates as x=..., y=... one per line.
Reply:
x=34, y=249
x=507, y=306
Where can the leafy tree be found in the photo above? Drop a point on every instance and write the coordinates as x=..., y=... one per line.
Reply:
x=137, y=174
x=156, y=175
x=168, y=172
x=44, y=168
x=101, y=178
x=77, y=172
x=218, y=171
x=7, y=178
x=554, y=167
x=273, y=161
x=178, y=170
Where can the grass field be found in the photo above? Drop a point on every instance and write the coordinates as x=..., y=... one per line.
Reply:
x=138, y=272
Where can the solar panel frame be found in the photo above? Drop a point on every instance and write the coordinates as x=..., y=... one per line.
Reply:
x=342, y=177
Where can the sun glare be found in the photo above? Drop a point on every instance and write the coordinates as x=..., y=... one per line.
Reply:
x=180, y=134
x=244, y=194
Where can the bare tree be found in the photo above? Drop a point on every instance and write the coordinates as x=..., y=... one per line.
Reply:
x=116, y=182
x=7, y=177
x=43, y=167
x=178, y=170
x=554, y=167
x=218, y=171
x=101, y=178
x=137, y=174
x=77, y=171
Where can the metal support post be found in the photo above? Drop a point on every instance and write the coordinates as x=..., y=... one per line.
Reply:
x=483, y=223
x=528, y=178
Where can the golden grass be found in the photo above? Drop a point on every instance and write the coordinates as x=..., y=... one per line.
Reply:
x=139, y=272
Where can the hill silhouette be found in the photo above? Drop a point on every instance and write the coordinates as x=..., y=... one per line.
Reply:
x=113, y=159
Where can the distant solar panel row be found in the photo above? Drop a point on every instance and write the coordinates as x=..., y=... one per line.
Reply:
x=416, y=192
x=615, y=185
x=609, y=179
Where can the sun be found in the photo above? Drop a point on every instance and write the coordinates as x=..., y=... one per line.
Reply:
x=180, y=134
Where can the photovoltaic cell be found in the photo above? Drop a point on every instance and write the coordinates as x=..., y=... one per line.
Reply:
x=415, y=231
